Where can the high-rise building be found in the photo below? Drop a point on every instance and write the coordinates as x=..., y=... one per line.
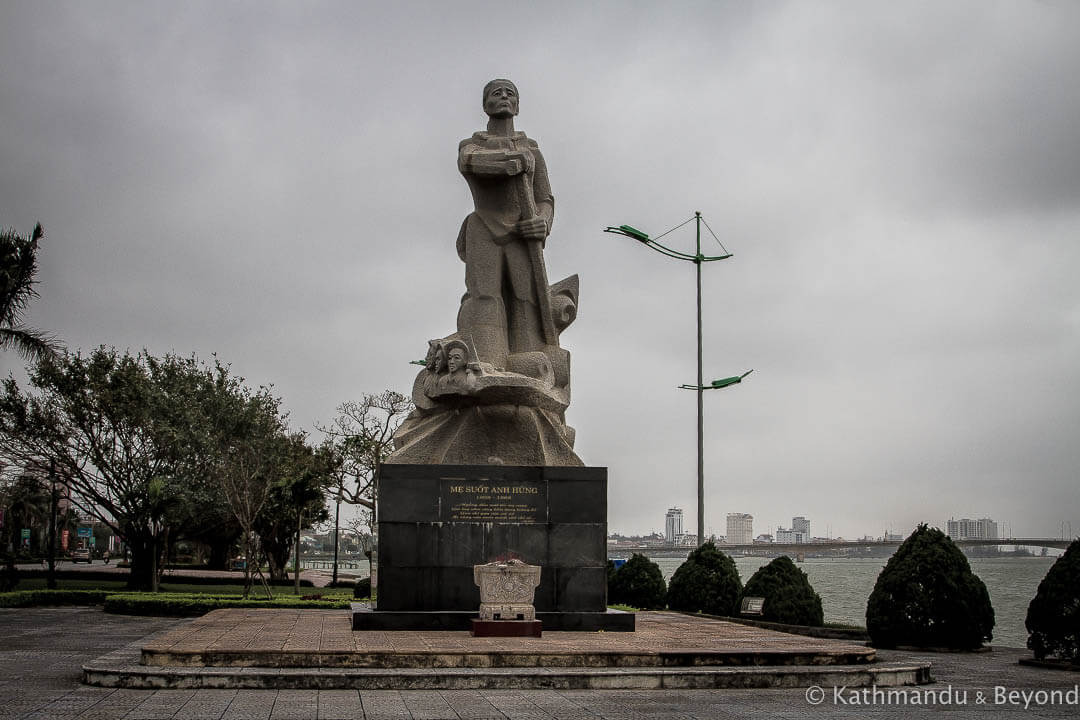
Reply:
x=801, y=525
x=673, y=525
x=968, y=529
x=740, y=528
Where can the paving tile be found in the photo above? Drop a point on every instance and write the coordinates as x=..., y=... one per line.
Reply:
x=340, y=705
x=384, y=704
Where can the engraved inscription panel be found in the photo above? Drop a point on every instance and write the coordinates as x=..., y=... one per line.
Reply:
x=492, y=500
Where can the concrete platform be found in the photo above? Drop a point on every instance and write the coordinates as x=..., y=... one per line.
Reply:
x=316, y=649
x=364, y=618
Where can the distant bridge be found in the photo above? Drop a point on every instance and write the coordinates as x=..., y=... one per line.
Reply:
x=625, y=551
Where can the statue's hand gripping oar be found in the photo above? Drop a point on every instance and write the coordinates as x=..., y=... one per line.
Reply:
x=536, y=258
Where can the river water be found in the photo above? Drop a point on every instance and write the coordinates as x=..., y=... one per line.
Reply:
x=845, y=585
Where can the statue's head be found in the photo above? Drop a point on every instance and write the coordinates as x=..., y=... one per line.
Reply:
x=457, y=355
x=501, y=99
x=436, y=356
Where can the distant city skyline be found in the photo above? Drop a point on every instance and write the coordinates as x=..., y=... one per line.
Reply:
x=799, y=529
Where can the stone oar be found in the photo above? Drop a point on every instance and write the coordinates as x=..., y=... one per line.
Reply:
x=536, y=256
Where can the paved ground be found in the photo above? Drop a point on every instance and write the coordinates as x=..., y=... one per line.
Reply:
x=42, y=650
x=263, y=635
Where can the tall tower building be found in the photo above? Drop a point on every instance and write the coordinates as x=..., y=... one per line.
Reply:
x=740, y=528
x=673, y=525
x=801, y=525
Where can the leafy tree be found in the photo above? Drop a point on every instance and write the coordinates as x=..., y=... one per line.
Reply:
x=789, y=598
x=361, y=437
x=638, y=583
x=18, y=266
x=132, y=435
x=707, y=582
x=295, y=500
x=206, y=521
x=1053, y=617
x=927, y=596
x=253, y=444
x=24, y=501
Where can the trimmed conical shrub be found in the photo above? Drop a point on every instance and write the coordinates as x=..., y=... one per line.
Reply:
x=928, y=596
x=638, y=583
x=707, y=582
x=789, y=598
x=1053, y=617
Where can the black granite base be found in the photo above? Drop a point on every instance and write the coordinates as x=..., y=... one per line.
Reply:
x=365, y=618
x=436, y=522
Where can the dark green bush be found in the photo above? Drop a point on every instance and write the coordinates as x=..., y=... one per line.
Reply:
x=707, y=582
x=362, y=588
x=638, y=583
x=789, y=598
x=928, y=596
x=33, y=598
x=1053, y=617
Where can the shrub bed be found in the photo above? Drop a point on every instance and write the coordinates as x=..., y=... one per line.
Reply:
x=789, y=597
x=34, y=598
x=707, y=582
x=1053, y=617
x=189, y=605
x=927, y=596
x=638, y=583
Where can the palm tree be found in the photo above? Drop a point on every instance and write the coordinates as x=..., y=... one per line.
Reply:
x=18, y=265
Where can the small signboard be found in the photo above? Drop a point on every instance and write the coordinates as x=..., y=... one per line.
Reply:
x=752, y=606
x=65, y=539
x=85, y=532
x=25, y=534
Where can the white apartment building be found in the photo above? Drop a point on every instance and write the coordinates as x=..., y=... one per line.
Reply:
x=968, y=529
x=740, y=528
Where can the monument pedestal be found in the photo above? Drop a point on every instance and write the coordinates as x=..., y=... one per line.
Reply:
x=438, y=521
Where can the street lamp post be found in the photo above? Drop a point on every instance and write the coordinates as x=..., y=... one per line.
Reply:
x=337, y=543
x=50, y=581
x=698, y=259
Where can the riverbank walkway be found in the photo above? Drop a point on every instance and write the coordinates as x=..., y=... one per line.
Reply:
x=42, y=652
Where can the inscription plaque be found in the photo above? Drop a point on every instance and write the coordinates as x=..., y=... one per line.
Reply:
x=492, y=500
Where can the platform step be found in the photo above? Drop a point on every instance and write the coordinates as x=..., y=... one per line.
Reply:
x=143, y=677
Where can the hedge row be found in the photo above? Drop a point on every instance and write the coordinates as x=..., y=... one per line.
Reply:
x=33, y=598
x=167, y=604
x=189, y=605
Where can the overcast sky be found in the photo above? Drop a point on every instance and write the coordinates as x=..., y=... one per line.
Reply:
x=899, y=184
